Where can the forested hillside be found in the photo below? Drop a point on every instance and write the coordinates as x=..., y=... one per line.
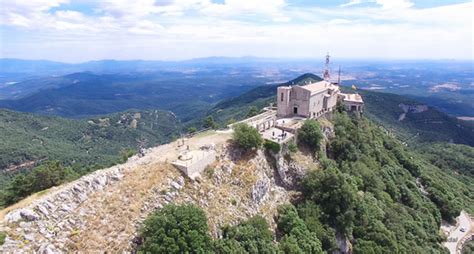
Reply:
x=82, y=95
x=417, y=127
x=369, y=189
x=29, y=140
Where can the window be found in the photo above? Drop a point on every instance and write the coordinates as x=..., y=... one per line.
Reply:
x=281, y=96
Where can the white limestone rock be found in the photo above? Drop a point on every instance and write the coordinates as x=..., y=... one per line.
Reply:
x=260, y=189
x=28, y=214
x=47, y=249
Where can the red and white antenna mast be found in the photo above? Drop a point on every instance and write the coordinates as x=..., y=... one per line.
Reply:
x=326, y=75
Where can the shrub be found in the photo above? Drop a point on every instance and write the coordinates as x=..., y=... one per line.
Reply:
x=272, y=146
x=127, y=154
x=40, y=178
x=253, y=111
x=209, y=172
x=298, y=238
x=176, y=229
x=2, y=237
x=253, y=235
x=210, y=123
x=310, y=134
x=246, y=136
x=192, y=130
x=292, y=147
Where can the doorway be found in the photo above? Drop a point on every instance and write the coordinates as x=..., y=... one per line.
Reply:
x=295, y=110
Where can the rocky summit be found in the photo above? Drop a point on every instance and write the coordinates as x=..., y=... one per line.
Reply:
x=103, y=211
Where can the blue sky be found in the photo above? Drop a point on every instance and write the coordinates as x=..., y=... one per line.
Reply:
x=81, y=30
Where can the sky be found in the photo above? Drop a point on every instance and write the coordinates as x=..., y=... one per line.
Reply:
x=83, y=30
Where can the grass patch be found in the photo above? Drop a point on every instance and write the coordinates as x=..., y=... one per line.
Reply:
x=3, y=235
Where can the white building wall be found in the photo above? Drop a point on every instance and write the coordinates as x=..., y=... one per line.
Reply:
x=316, y=104
x=309, y=105
x=300, y=99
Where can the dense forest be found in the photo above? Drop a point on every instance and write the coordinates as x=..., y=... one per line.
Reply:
x=369, y=190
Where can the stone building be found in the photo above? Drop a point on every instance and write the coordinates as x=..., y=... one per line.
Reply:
x=309, y=101
x=352, y=102
x=314, y=100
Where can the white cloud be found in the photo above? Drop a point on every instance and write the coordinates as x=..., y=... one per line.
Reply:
x=394, y=4
x=26, y=7
x=270, y=28
x=351, y=2
x=25, y=13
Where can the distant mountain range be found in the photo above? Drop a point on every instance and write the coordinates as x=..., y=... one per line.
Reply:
x=444, y=84
x=9, y=65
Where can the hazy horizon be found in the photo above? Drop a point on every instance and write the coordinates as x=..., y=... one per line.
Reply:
x=320, y=59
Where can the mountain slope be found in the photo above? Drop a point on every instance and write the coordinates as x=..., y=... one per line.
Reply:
x=420, y=124
x=28, y=138
x=86, y=94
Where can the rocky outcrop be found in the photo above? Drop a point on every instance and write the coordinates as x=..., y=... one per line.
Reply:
x=104, y=210
x=411, y=109
x=44, y=226
x=261, y=188
x=344, y=246
x=290, y=171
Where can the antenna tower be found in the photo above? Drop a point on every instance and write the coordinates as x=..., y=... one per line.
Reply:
x=326, y=75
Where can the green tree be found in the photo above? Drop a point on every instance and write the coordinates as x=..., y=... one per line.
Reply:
x=40, y=178
x=311, y=214
x=227, y=246
x=253, y=235
x=272, y=146
x=310, y=134
x=176, y=229
x=246, y=136
x=210, y=123
x=292, y=147
x=253, y=111
x=192, y=130
x=336, y=196
x=297, y=237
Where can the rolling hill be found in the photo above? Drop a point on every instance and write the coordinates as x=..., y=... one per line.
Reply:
x=28, y=139
x=86, y=94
